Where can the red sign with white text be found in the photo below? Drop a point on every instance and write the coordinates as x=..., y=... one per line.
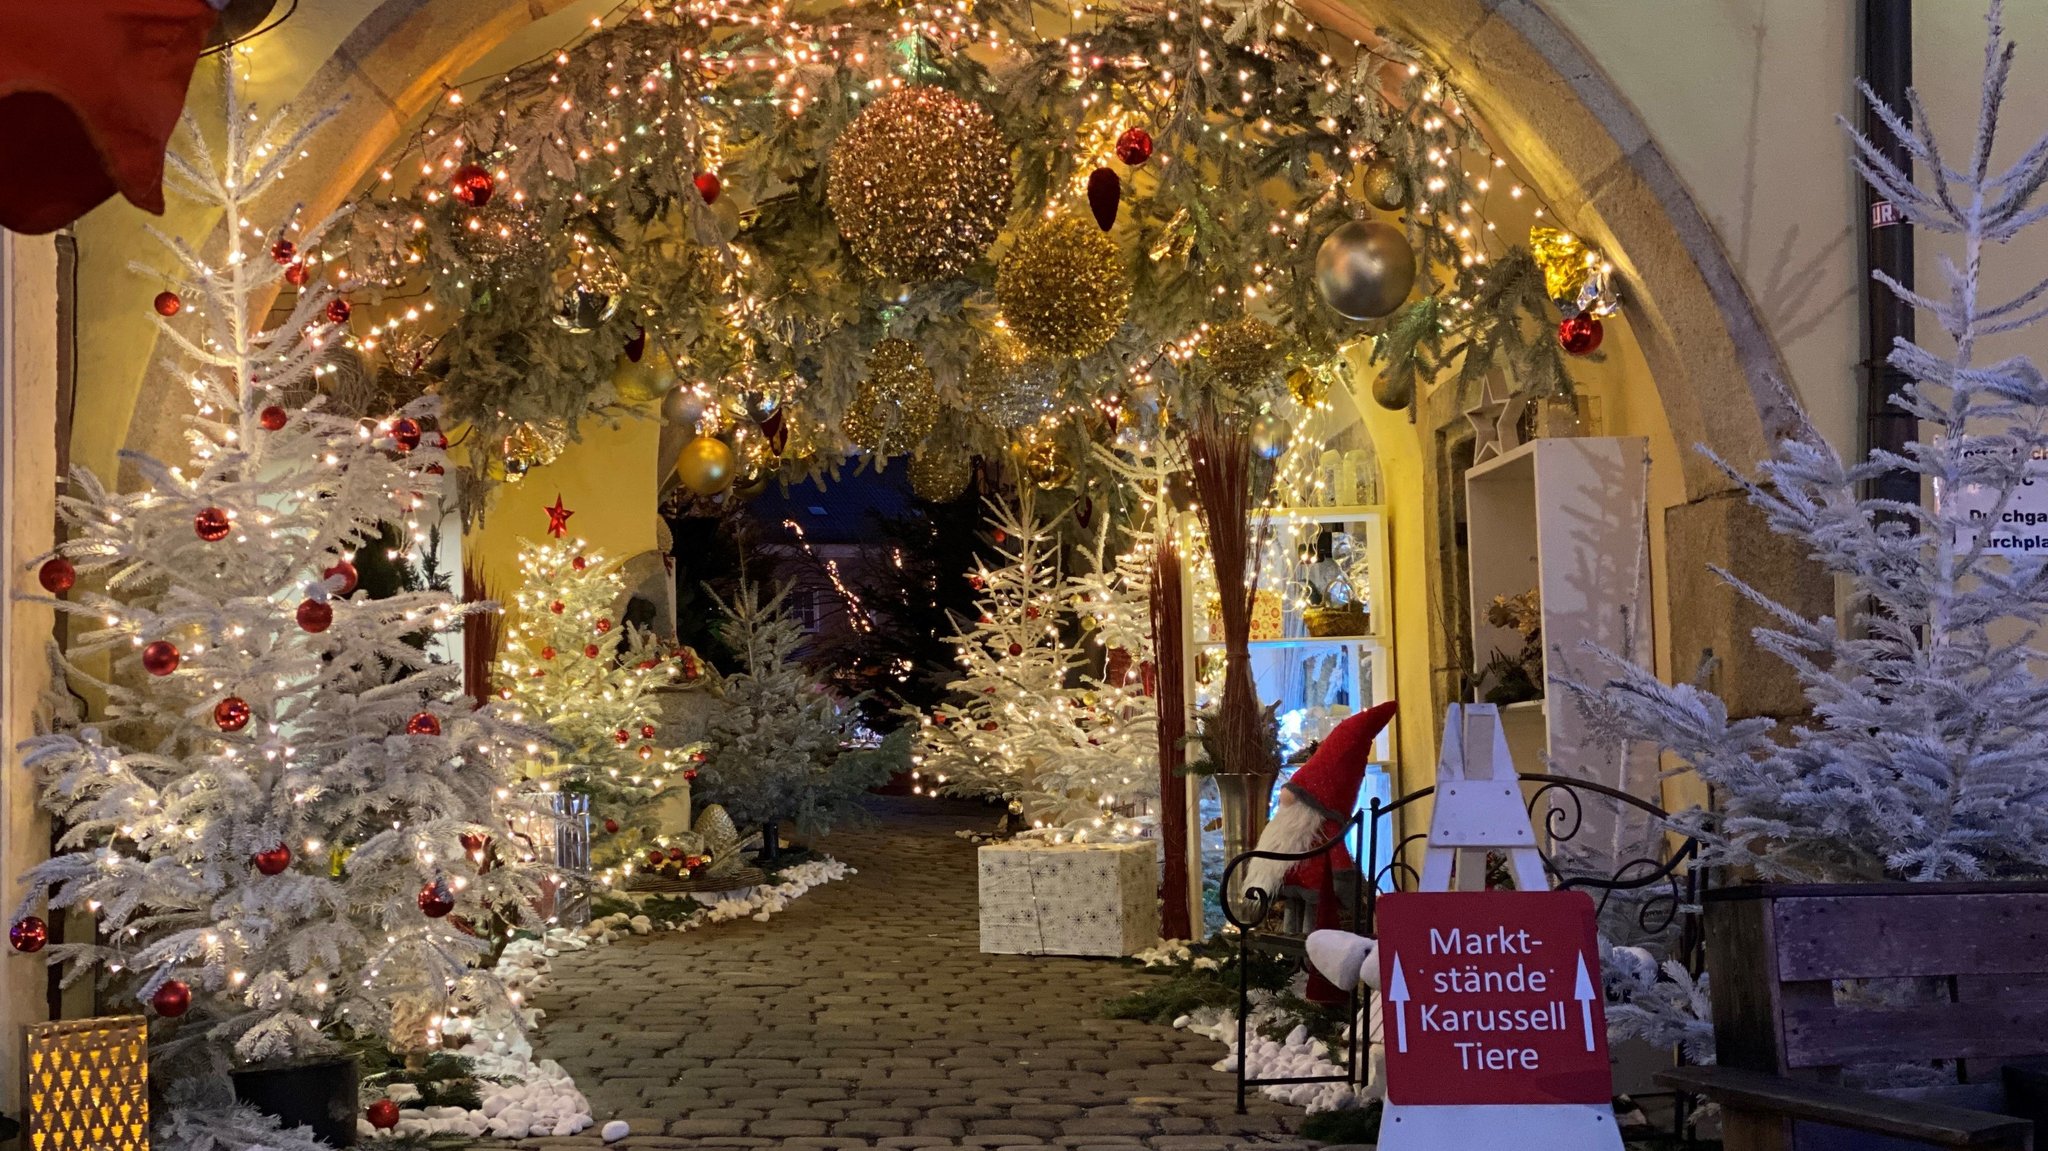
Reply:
x=1492, y=997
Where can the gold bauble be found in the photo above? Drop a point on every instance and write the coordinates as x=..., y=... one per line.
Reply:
x=898, y=402
x=1384, y=188
x=1244, y=353
x=919, y=184
x=705, y=465
x=1044, y=462
x=1062, y=288
x=1307, y=388
x=939, y=474
x=645, y=381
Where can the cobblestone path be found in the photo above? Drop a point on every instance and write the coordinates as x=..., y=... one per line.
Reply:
x=864, y=1016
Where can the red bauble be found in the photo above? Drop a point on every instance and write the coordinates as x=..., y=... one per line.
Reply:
x=547, y=652
x=558, y=607
x=347, y=572
x=315, y=616
x=589, y=651
x=675, y=855
x=273, y=861
x=1581, y=334
x=689, y=774
x=1134, y=147
x=160, y=658
x=172, y=999
x=436, y=900
x=57, y=575
x=476, y=845
x=622, y=737
x=708, y=186
x=1105, y=192
x=338, y=311
x=231, y=714
x=272, y=418
x=1016, y=649
x=579, y=563
x=472, y=185
x=295, y=273
x=284, y=251
x=646, y=754
x=999, y=535
x=646, y=731
x=424, y=723
x=655, y=858
x=603, y=626
x=168, y=303
x=383, y=1114
x=611, y=827
x=211, y=524
x=406, y=432
x=28, y=934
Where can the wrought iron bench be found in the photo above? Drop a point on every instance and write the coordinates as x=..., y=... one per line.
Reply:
x=1371, y=830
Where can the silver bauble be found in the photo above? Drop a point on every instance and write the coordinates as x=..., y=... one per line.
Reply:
x=1269, y=435
x=683, y=407
x=1365, y=269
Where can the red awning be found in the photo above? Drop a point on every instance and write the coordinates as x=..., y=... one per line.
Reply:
x=89, y=93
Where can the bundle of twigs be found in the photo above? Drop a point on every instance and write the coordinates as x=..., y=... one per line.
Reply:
x=483, y=636
x=1170, y=697
x=1220, y=456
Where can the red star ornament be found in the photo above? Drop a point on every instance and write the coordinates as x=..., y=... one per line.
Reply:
x=558, y=518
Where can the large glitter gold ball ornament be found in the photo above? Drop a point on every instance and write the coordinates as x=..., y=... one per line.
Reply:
x=919, y=184
x=1269, y=435
x=1306, y=387
x=705, y=466
x=1044, y=462
x=1383, y=187
x=1244, y=353
x=1365, y=269
x=939, y=474
x=1062, y=289
x=587, y=287
x=898, y=402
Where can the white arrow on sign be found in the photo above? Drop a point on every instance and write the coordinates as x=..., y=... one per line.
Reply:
x=1582, y=990
x=1397, y=994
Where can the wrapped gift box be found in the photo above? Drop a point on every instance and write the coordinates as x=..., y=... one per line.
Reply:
x=1069, y=899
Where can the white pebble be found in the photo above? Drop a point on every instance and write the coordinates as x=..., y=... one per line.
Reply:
x=615, y=1131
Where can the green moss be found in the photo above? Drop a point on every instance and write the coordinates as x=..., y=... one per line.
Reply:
x=1356, y=1125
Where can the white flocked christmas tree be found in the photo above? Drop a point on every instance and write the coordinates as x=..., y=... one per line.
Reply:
x=1926, y=756
x=282, y=821
x=573, y=666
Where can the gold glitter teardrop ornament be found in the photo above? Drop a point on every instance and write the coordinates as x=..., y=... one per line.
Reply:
x=1244, y=353
x=1062, y=288
x=919, y=184
x=939, y=474
x=898, y=402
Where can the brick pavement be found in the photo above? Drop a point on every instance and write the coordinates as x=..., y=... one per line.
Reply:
x=864, y=1016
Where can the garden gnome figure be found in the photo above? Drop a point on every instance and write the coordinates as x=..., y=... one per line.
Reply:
x=1314, y=806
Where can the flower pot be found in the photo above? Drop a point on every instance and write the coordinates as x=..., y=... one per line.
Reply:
x=320, y=1094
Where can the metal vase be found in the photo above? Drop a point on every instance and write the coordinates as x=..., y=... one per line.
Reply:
x=1247, y=802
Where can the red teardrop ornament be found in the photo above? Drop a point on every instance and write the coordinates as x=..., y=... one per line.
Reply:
x=1105, y=192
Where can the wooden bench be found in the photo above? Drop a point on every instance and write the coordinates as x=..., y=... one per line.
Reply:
x=1808, y=981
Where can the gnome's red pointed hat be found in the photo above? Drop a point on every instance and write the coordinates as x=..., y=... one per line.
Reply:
x=1329, y=781
x=89, y=93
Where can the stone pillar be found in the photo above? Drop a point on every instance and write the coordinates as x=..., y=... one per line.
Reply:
x=1708, y=617
x=28, y=453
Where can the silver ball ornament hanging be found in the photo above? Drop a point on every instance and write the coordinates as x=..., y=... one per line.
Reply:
x=1365, y=269
x=1269, y=435
x=683, y=406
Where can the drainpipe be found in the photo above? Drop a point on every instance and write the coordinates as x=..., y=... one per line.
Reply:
x=1887, y=246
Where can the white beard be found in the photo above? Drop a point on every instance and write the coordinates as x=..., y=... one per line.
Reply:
x=1296, y=828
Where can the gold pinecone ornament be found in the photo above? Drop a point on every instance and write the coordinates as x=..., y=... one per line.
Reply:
x=938, y=474
x=1062, y=288
x=919, y=184
x=898, y=402
x=1244, y=354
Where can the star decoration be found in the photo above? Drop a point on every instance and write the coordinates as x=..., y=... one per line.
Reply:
x=558, y=518
x=1496, y=420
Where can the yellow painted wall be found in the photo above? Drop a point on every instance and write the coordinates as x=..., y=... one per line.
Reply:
x=607, y=480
